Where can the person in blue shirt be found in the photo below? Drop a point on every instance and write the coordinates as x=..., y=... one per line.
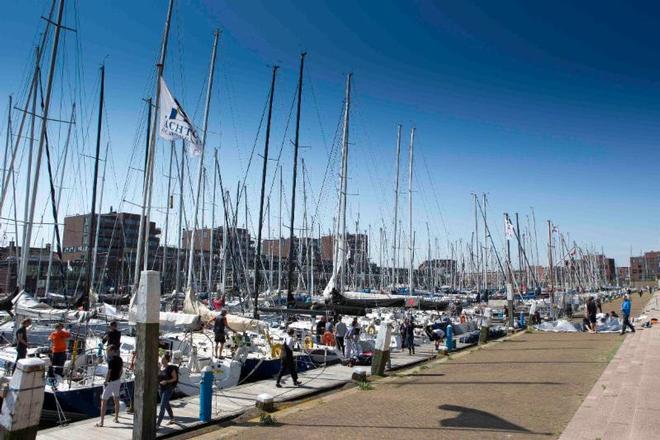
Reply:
x=625, y=311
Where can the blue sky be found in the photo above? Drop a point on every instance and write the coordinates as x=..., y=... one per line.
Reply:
x=553, y=105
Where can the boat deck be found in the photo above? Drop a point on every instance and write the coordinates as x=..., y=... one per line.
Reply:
x=229, y=403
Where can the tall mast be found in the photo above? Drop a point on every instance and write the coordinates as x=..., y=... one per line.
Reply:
x=289, y=294
x=200, y=170
x=215, y=177
x=7, y=142
x=344, y=185
x=42, y=140
x=177, y=275
x=25, y=247
x=476, y=244
x=31, y=95
x=143, y=232
x=90, y=236
x=98, y=217
x=257, y=265
x=410, y=207
x=486, y=256
x=396, y=204
x=279, y=242
x=552, y=273
x=168, y=206
x=225, y=238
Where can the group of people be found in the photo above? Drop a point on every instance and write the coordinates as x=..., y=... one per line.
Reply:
x=58, y=346
x=594, y=306
x=334, y=332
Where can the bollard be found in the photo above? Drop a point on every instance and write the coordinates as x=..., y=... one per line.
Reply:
x=382, y=352
x=206, y=394
x=359, y=375
x=449, y=338
x=522, y=319
x=265, y=402
x=21, y=407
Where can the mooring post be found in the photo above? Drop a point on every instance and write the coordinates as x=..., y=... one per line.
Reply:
x=382, y=353
x=147, y=313
x=22, y=401
x=206, y=395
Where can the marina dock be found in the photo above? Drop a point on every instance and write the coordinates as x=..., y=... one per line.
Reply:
x=230, y=403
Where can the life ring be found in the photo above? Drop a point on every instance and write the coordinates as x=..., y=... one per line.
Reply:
x=329, y=339
x=308, y=343
x=276, y=351
x=371, y=330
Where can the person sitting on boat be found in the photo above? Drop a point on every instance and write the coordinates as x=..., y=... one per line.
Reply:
x=21, y=341
x=112, y=383
x=219, y=327
x=287, y=360
x=112, y=336
x=58, y=340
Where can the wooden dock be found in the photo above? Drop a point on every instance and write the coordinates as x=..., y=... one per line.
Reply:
x=229, y=403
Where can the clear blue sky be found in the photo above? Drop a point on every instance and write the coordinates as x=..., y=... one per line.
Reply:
x=553, y=105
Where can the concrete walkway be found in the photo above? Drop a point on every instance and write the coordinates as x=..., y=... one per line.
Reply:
x=228, y=403
x=625, y=402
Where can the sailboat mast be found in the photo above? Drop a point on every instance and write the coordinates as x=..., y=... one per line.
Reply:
x=344, y=184
x=486, y=256
x=257, y=266
x=177, y=275
x=90, y=236
x=168, y=206
x=42, y=140
x=143, y=231
x=59, y=190
x=215, y=178
x=98, y=217
x=410, y=213
x=289, y=294
x=200, y=170
x=396, y=205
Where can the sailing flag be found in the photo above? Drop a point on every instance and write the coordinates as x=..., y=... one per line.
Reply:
x=174, y=122
x=508, y=228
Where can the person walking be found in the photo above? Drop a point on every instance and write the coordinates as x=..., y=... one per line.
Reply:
x=409, y=336
x=625, y=311
x=352, y=340
x=21, y=342
x=590, y=314
x=219, y=329
x=112, y=336
x=287, y=360
x=112, y=384
x=340, y=333
x=58, y=340
x=168, y=377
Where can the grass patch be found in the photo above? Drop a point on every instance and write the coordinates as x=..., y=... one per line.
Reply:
x=424, y=367
x=267, y=420
x=365, y=386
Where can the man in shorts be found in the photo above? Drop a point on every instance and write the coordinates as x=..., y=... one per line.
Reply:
x=219, y=327
x=112, y=384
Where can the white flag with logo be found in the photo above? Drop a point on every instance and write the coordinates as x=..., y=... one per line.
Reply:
x=508, y=226
x=174, y=123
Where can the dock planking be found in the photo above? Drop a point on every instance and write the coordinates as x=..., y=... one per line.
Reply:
x=229, y=403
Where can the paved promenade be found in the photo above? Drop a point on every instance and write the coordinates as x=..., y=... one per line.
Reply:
x=624, y=403
x=526, y=387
